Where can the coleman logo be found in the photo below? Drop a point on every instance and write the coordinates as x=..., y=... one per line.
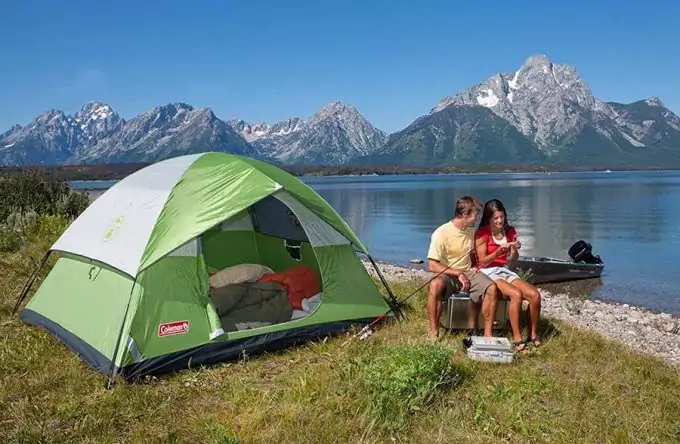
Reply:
x=117, y=223
x=173, y=328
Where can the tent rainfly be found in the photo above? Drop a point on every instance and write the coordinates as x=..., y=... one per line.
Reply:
x=198, y=259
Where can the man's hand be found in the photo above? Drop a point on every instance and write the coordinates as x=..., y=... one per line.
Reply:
x=464, y=282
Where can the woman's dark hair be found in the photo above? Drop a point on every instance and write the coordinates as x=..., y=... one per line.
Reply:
x=491, y=207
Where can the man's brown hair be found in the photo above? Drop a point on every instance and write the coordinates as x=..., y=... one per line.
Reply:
x=466, y=205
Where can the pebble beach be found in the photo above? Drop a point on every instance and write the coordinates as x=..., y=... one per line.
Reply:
x=642, y=330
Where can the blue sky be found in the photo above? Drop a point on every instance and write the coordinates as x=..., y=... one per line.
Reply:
x=267, y=61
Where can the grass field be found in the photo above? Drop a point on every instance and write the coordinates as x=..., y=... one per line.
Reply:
x=391, y=387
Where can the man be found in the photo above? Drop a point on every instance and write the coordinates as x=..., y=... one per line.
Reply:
x=452, y=245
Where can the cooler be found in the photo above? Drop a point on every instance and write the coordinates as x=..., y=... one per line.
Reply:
x=455, y=313
x=490, y=350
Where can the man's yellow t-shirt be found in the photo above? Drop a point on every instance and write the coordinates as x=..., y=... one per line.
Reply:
x=452, y=246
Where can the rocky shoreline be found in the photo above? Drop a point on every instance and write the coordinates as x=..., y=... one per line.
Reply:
x=657, y=334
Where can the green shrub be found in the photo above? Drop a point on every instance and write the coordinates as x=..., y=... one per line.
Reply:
x=405, y=379
x=527, y=275
x=48, y=227
x=10, y=240
x=35, y=203
x=19, y=221
x=72, y=204
x=38, y=191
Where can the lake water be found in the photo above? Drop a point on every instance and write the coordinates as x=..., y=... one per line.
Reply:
x=631, y=219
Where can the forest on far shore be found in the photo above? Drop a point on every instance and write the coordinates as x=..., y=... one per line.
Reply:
x=117, y=171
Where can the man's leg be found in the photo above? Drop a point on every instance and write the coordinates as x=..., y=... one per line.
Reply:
x=435, y=305
x=473, y=314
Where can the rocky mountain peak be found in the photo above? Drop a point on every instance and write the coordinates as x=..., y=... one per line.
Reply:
x=537, y=61
x=542, y=99
x=98, y=120
x=163, y=115
x=250, y=131
x=50, y=116
x=94, y=111
x=13, y=129
x=206, y=114
x=336, y=133
x=238, y=124
x=52, y=136
x=655, y=101
x=335, y=105
x=538, y=73
x=172, y=108
x=168, y=130
x=335, y=109
x=285, y=126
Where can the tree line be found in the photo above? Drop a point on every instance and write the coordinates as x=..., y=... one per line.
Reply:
x=116, y=171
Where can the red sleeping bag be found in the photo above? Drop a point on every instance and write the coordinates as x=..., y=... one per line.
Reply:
x=299, y=281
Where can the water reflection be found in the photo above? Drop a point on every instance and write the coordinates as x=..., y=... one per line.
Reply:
x=547, y=218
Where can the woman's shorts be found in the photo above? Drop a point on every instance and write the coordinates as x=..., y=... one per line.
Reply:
x=500, y=273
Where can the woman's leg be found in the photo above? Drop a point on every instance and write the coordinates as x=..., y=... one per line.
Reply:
x=514, y=295
x=533, y=296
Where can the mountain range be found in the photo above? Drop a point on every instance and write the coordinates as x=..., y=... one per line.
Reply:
x=542, y=113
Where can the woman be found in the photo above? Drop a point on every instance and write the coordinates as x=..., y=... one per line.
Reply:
x=496, y=244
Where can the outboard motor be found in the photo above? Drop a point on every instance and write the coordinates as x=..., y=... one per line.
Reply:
x=582, y=252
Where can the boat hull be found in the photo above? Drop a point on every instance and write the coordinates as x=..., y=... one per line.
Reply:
x=551, y=270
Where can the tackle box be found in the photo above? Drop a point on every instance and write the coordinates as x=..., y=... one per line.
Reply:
x=455, y=313
x=490, y=349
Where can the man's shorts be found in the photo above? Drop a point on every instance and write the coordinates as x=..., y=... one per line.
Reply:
x=479, y=282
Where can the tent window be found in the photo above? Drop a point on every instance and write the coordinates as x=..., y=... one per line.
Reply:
x=273, y=218
x=294, y=249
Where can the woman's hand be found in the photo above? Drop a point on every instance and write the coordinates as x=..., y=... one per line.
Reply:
x=514, y=251
x=503, y=249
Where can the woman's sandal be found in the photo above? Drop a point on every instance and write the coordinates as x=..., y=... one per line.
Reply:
x=521, y=346
x=536, y=341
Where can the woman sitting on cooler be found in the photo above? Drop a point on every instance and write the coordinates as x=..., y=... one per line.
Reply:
x=496, y=244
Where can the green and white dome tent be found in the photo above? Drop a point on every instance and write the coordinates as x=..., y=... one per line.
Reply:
x=130, y=291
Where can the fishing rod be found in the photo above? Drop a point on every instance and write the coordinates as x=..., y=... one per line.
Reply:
x=366, y=331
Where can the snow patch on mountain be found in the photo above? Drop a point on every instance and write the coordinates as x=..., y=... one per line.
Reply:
x=487, y=98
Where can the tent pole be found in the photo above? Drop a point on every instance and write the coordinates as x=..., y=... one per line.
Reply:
x=394, y=303
x=30, y=281
x=110, y=381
